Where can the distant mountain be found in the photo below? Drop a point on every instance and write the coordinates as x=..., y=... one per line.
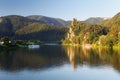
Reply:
x=19, y=27
x=95, y=20
x=113, y=22
x=61, y=22
x=49, y=20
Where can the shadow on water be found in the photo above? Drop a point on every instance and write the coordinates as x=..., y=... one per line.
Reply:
x=49, y=56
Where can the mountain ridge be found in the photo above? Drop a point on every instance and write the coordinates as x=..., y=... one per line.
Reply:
x=49, y=20
x=95, y=20
x=20, y=27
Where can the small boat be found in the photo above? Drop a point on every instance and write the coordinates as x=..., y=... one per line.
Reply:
x=33, y=46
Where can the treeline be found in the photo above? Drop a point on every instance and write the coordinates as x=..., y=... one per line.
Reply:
x=105, y=34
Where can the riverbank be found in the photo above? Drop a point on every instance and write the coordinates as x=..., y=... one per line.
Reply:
x=24, y=44
x=89, y=46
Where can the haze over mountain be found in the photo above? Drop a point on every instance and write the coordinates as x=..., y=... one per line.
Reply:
x=95, y=20
x=61, y=22
x=49, y=20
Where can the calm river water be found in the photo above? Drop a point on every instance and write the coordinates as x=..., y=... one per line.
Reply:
x=55, y=62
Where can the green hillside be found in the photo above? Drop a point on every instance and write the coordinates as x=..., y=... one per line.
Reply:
x=19, y=27
x=106, y=34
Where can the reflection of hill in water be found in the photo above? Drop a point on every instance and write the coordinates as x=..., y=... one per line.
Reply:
x=94, y=57
x=55, y=56
x=45, y=57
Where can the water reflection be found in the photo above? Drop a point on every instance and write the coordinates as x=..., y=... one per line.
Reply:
x=44, y=57
x=55, y=56
x=93, y=57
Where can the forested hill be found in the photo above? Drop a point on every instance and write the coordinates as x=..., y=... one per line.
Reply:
x=107, y=33
x=19, y=27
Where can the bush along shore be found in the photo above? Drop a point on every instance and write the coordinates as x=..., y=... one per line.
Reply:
x=6, y=43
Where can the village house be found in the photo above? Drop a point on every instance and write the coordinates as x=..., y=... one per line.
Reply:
x=1, y=42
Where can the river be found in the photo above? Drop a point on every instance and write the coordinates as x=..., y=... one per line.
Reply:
x=56, y=62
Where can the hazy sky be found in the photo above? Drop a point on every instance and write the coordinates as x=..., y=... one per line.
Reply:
x=65, y=9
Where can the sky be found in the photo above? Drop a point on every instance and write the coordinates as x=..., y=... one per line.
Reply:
x=64, y=9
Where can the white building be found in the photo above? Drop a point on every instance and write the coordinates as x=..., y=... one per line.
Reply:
x=1, y=42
